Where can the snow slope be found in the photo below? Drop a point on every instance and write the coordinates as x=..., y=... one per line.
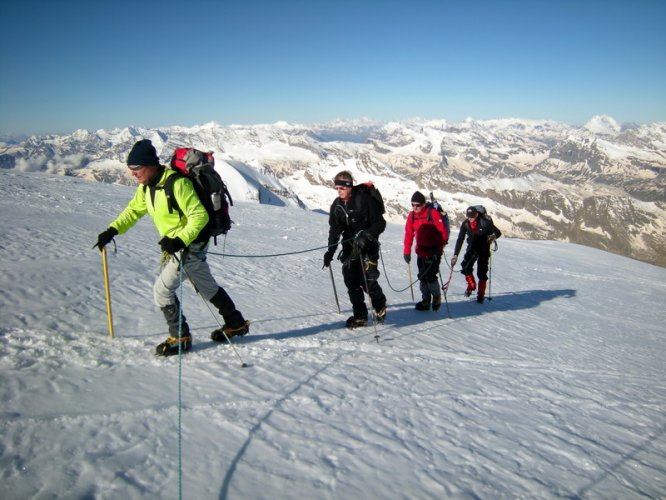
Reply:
x=555, y=388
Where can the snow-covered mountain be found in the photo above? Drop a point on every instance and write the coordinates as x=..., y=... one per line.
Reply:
x=602, y=185
x=553, y=389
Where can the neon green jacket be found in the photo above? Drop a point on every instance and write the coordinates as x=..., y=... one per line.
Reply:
x=153, y=201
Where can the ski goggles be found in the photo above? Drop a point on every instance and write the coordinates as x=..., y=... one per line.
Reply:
x=343, y=183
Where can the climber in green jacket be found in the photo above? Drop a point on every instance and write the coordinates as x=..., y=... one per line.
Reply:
x=182, y=233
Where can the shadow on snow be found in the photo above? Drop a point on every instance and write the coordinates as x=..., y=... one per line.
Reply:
x=404, y=315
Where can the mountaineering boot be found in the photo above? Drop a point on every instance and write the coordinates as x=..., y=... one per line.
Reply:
x=481, y=294
x=219, y=334
x=170, y=346
x=353, y=322
x=424, y=305
x=436, y=302
x=179, y=331
x=380, y=315
x=426, y=293
x=471, y=285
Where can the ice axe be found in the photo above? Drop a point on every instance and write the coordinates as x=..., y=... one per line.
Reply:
x=107, y=290
x=411, y=284
x=335, y=291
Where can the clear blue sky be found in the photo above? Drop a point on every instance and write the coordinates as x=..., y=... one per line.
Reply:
x=66, y=64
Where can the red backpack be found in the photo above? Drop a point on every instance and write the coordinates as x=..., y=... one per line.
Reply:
x=199, y=167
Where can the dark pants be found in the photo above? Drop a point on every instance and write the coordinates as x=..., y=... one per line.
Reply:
x=428, y=268
x=352, y=272
x=481, y=258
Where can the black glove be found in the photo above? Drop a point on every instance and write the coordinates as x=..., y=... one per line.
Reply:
x=407, y=257
x=171, y=245
x=105, y=237
x=328, y=258
x=361, y=240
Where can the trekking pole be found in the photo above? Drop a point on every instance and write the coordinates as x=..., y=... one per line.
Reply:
x=233, y=347
x=445, y=289
x=411, y=285
x=490, y=274
x=367, y=290
x=107, y=290
x=335, y=291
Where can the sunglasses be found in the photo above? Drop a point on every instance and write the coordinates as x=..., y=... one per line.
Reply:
x=416, y=205
x=135, y=168
x=341, y=188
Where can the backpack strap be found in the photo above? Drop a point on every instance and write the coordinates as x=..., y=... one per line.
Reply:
x=428, y=217
x=168, y=192
x=226, y=192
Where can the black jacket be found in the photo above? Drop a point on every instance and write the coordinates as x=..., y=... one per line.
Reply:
x=477, y=240
x=360, y=213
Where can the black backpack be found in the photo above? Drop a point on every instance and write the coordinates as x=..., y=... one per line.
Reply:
x=489, y=221
x=433, y=204
x=442, y=213
x=369, y=187
x=199, y=167
x=484, y=213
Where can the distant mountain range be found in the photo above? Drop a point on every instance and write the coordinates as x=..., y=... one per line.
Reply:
x=601, y=185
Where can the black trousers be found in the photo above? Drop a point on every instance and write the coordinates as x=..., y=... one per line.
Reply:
x=428, y=268
x=352, y=272
x=481, y=259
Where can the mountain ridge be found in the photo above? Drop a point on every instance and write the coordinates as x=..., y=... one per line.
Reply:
x=602, y=184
